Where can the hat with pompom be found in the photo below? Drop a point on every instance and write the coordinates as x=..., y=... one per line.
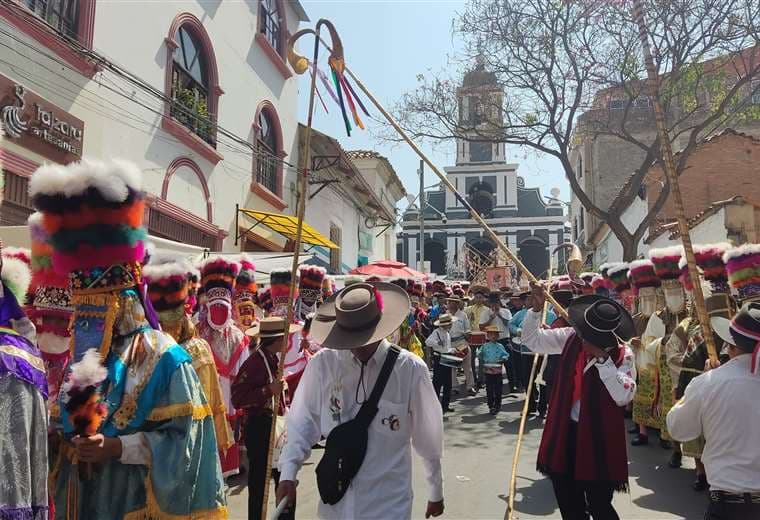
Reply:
x=279, y=285
x=665, y=261
x=743, y=268
x=218, y=276
x=310, y=278
x=642, y=275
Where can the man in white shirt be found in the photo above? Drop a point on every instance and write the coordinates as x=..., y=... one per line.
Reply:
x=459, y=331
x=583, y=447
x=721, y=405
x=336, y=382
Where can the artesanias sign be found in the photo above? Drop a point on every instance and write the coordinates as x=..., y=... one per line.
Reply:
x=38, y=125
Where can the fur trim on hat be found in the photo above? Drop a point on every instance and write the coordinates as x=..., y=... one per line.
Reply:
x=154, y=272
x=16, y=276
x=616, y=268
x=665, y=261
x=21, y=253
x=112, y=179
x=743, y=250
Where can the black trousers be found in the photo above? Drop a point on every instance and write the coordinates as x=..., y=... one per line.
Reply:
x=724, y=511
x=257, y=431
x=493, y=391
x=577, y=500
x=526, y=364
x=442, y=382
x=546, y=390
x=513, y=370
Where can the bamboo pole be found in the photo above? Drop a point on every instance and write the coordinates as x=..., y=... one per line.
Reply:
x=668, y=161
x=524, y=417
x=305, y=157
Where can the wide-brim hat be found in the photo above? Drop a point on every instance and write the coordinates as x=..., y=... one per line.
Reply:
x=480, y=289
x=743, y=331
x=445, y=319
x=271, y=327
x=360, y=315
x=600, y=321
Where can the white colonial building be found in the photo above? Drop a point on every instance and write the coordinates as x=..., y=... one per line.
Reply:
x=197, y=93
x=519, y=215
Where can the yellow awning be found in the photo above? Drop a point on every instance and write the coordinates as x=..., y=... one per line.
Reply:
x=287, y=225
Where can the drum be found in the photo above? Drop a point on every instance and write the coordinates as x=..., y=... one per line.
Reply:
x=449, y=360
x=492, y=368
x=476, y=338
x=462, y=352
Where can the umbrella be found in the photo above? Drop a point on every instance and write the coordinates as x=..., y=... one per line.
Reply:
x=389, y=269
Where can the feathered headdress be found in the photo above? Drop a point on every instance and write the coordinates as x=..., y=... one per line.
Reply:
x=617, y=274
x=743, y=268
x=710, y=259
x=310, y=278
x=19, y=253
x=245, y=284
x=168, y=285
x=641, y=273
x=265, y=300
x=16, y=277
x=93, y=212
x=279, y=285
x=218, y=275
x=328, y=287
x=665, y=261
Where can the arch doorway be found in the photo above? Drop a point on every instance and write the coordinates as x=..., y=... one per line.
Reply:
x=534, y=255
x=435, y=253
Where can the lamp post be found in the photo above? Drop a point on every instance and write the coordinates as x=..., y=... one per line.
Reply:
x=421, y=173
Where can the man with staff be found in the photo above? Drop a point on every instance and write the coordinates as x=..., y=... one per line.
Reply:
x=583, y=448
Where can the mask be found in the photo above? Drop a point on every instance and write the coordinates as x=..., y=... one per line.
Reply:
x=647, y=301
x=675, y=298
x=218, y=308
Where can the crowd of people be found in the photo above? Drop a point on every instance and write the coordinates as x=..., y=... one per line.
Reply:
x=134, y=382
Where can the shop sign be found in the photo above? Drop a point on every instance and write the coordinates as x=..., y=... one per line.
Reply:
x=38, y=125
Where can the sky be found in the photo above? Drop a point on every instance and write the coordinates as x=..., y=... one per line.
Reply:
x=387, y=43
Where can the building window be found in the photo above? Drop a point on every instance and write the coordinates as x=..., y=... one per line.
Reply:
x=62, y=15
x=580, y=166
x=270, y=25
x=582, y=225
x=617, y=104
x=266, y=145
x=642, y=102
x=190, y=86
x=481, y=151
x=335, y=260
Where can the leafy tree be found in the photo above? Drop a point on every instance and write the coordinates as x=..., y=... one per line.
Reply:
x=560, y=62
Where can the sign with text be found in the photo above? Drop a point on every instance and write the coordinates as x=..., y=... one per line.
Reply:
x=498, y=277
x=39, y=125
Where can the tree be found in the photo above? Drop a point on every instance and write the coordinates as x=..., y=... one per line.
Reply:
x=562, y=62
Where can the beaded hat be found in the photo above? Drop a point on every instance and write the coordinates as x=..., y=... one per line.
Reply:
x=218, y=276
x=279, y=281
x=710, y=260
x=168, y=290
x=310, y=279
x=743, y=268
x=665, y=261
x=244, y=296
x=641, y=274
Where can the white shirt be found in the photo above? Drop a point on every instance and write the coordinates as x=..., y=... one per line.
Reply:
x=408, y=411
x=722, y=406
x=440, y=341
x=459, y=329
x=501, y=321
x=619, y=381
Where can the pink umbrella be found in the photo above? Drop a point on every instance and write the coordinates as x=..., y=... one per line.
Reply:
x=389, y=269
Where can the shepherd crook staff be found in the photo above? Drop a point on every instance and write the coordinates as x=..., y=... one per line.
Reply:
x=305, y=157
x=670, y=171
x=526, y=405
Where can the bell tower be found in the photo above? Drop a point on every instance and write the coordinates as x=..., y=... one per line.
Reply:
x=480, y=118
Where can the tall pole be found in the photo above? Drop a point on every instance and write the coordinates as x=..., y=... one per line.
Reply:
x=668, y=162
x=421, y=171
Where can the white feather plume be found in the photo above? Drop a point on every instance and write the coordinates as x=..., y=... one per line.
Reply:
x=16, y=276
x=110, y=178
x=736, y=252
x=89, y=371
x=662, y=252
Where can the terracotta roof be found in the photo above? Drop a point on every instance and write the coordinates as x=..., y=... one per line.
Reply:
x=700, y=217
x=371, y=154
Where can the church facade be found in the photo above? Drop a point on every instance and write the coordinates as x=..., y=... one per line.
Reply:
x=530, y=224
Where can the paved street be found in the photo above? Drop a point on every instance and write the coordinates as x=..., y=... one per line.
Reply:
x=477, y=462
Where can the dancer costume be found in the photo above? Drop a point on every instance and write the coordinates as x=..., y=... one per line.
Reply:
x=229, y=345
x=244, y=295
x=168, y=468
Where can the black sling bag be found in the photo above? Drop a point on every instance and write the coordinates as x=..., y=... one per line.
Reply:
x=347, y=443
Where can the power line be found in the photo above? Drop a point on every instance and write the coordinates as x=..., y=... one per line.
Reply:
x=133, y=79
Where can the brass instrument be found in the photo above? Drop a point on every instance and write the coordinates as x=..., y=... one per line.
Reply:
x=575, y=262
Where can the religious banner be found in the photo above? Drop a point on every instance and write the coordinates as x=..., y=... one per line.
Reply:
x=498, y=277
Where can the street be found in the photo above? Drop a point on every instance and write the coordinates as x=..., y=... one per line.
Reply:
x=476, y=468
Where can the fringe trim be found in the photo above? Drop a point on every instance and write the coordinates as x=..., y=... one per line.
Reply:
x=152, y=511
x=164, y=413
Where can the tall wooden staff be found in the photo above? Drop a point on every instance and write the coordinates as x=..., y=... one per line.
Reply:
x=305, y=158
x=524, y=417
x=653, y=83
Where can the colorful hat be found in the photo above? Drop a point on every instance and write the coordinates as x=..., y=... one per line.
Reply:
x=279, y=281
x=194, y=285
x=743, y=268
x=599, y=284
x=641, y=274
x=416, y=290
x=439, y=286
x=429, y=287
x=19, y=253
x=50, y=305
x=310, y=278
x=587, y=276
x=168, y=291
x=16, y=277
x=710, y=259
x=265, y=300
x=665, y=261
x=244, y=295
x=93, y=212
x=218, y=276
x=618, y=275
x=328, y=287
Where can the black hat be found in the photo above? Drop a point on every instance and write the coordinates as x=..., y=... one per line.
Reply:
x=600, y=321
x=743, y=331
x=563, y=296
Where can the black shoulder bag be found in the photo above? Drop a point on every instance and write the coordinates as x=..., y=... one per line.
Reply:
x=347, y=443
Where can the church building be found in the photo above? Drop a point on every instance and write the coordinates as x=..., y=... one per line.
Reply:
x=530, y=224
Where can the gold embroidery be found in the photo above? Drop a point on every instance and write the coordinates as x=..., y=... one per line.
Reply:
x=152, y=511
x=26, y=356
